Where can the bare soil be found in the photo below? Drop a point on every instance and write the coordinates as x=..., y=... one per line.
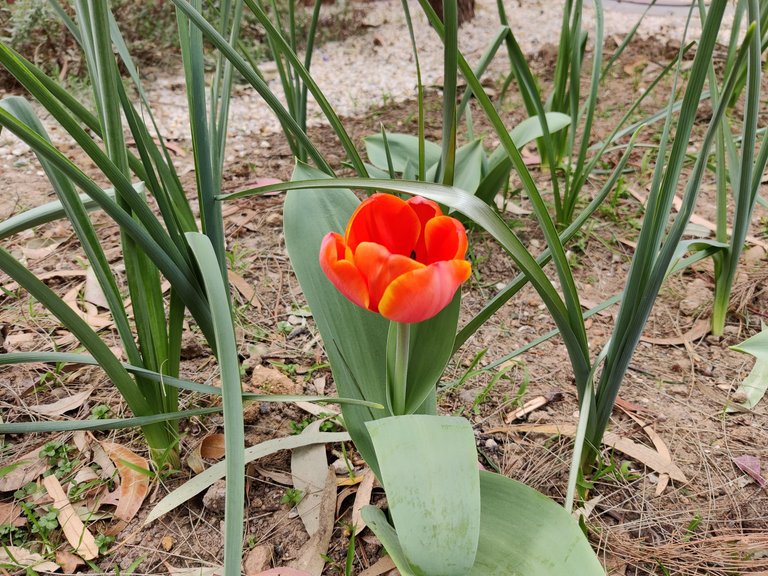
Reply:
x=715, y=522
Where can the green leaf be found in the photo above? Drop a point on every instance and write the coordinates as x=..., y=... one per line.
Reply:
x=529, y=130
x=402, y=148
x=429, y=471
x=755, y=385
x=355, y=339
x=524, y=533
x=469, y=166
x=375, y=520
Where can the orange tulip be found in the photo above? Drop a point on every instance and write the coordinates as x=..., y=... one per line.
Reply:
x=402, y=259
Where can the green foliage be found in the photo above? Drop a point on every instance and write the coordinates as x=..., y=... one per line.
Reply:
x=292, y=497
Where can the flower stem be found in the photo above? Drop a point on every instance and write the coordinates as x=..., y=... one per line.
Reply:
x=402, y=350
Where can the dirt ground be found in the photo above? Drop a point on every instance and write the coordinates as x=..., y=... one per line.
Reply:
x=714, y=521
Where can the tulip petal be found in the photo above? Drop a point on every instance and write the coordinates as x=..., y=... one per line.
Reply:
x=420, y=294
x=426, y=210
x=379, y=267
x=445, y=239
x=336, y=262
x=386, y=220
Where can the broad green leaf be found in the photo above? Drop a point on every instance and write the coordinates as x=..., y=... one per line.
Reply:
x=469, y=166
x=429, y=472
x=755, y=385
x=402, y=147
x=529, y=130
x=524, y=533
x=195, y=485
x=355, y=339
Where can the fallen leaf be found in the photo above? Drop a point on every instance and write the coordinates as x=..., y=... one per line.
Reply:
x=677, y=202
x=22, y=471
x=699, y=329
x=78, y=536
x=68, y=561
x=275, y=475
x=754, y=386
x=284, y=571
x=362, y=498
x=639, y=452
x=212, y=446
x=750, y=465
x=92, y=291
x=384, y=565
x=311, y=556
x=258, y=559
x=11, y=286
x=309, y=468
x=533, y=405
x=661, y=448
x=11, y=513
x=134, y=485
x=61, y=406
x=246, y=290
x=23, y=558
x=196, y=571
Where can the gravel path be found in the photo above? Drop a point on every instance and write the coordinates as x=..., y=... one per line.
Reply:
x=367, y=70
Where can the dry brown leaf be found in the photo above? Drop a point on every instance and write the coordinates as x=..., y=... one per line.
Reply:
x=11, y=286
x=677, y=202
x=362, y=498
x=90, y=315
x=275, y=475
x=195, y=571
x=384, y=565
x=39, y=248
x=283, y=571
x=11, y=513
x=315, y=409
x=68, y=561
x=101, y=458
x=310, y=557
x=533, y=405
x=25, y=559
x=92, y=292
x=212, y=446
x=309, y=468
x=134, y=485
x=61, y=406
x=661, y=448
x=25, y=470
x=699, y=329
x=244, y=287
x=639, y=452
x=78, y=536
x=258, y=559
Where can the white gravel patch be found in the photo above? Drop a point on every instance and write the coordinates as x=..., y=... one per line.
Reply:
x=371, y=69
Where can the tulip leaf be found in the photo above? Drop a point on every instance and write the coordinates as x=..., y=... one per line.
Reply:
x=402, y=147
x=469, y=166
x=355, y=339
x=522, y=532
x=529, y=130
x=429, y=472
x=375, y=520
